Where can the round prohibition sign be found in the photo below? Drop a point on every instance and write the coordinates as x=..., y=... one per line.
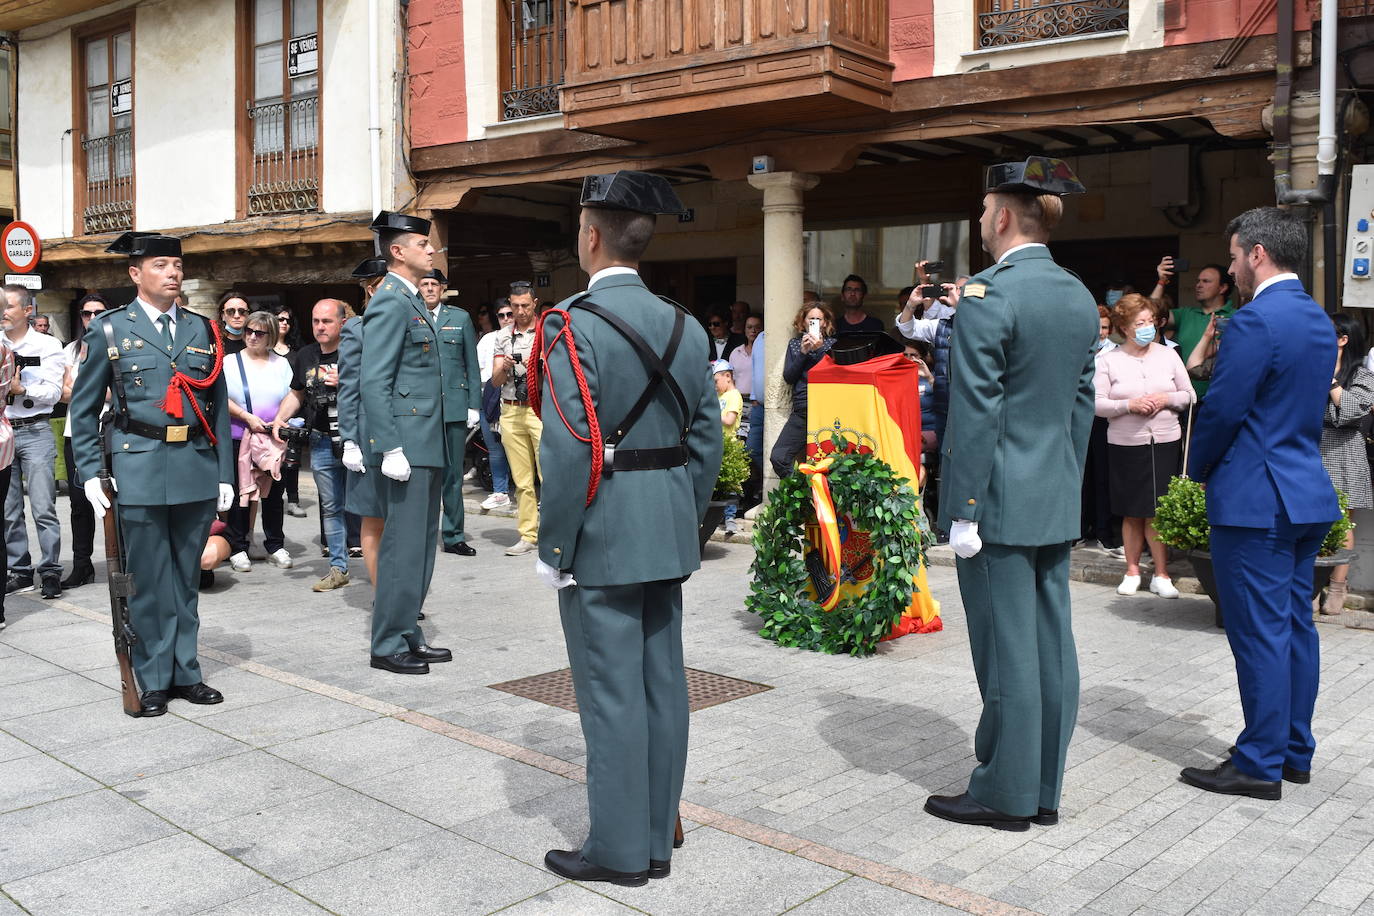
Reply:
x=21, y=247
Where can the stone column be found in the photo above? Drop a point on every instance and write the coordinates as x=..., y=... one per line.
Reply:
x=782, y=292
x=202, y=296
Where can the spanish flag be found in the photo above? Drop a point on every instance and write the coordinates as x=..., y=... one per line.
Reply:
x=877, y=404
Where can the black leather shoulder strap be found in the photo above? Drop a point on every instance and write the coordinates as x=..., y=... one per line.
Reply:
x=116, y=377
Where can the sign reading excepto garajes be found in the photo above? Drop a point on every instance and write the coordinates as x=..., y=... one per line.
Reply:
x=21, y=247
x=121, y=97
x=302, y=56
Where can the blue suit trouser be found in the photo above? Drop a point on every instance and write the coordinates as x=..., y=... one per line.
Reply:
x=1264, y=577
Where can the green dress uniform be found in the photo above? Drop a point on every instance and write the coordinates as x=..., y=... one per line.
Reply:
x=462, y=392
x=1020, y=410
x=167, y=489
x=402, y=396
x=362, y=497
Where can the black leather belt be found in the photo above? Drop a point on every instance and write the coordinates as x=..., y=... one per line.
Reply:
x=643, y=459
x=30, y=421
x=162, y=433
x=515, y=403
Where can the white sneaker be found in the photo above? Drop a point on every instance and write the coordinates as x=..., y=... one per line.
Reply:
x=1129, y=585
x=471, y=474
x=495, y=501
x=294, y=510
x=1163, y=587
x=240, y=562
x=280, y=558
x=521, y=547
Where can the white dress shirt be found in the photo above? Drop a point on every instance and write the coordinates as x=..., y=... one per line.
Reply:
x=1276, y=278
x=42, y=383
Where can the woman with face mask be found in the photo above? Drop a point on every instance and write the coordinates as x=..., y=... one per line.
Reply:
x=1142, y=388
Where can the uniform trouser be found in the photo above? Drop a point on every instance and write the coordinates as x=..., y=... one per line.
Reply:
x=520, y=430
x=163, y=545
x=455, y=446
x=1016, y=602
x=409, y=533
x=35, y=457
x=625, y=649
x=83, y=516
x=1264, y=577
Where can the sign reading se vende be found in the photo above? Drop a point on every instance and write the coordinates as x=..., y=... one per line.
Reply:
x=20, y=247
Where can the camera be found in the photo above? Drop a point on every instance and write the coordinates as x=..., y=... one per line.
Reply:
x=521, y=380
x=932, y=291
x=324, y=398
x=1180, y=264
x=296, y=438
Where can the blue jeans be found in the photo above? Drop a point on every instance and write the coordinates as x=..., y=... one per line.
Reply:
x=331, y=480
x=754, y=443
x=35, y=456
x=500, y=468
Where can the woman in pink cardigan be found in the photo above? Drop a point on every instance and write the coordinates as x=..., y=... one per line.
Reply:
x=1142, y=388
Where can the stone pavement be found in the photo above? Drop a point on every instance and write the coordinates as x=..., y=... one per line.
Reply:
x=321, y=785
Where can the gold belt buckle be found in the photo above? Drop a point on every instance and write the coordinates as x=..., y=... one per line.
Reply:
x=177, y=433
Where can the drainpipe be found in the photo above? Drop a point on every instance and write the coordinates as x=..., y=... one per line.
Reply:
x=374, y=111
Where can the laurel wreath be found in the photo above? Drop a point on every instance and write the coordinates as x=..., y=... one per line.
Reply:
x=877, y=501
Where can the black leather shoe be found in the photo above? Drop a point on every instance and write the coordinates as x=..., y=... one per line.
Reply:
x=1300, y=777
x=1227, y=780
x=207, y=579
x=569, y=864
x=422, y=616
x=962, y=809
x=400, y=663
x=83, y=573
x=659, y=868
x=1045, y=817
x=154, y=703
x=201, y=694
x=17, y=584
x=461, y=548
x=52, y=586
x=431, y=654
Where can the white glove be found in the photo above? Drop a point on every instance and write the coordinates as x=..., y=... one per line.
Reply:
x=226, y=497
x=395, y=465
x=474, y=419
x=553, y=578
x=963, y=537
x=353, y=458
x=95, y=495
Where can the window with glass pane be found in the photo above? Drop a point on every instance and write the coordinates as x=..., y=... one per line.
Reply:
x=107, y=141
x=284, y=107
x=6, y=141
x=885, y=256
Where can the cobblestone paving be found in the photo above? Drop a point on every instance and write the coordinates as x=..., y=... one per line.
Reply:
x=323, y=785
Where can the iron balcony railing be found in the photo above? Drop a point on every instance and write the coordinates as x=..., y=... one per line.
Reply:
x=1010, y=22
x=285, y=173
x=535, y=58
x=108, y=203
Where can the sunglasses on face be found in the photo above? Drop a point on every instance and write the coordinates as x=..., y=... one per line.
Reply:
x=283, y=321
x=715, y=324
x=236, y=311
x=505, y=314
x=254, y=332
x=88, y=313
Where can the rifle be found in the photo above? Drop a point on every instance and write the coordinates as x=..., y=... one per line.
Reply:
x=121, y=590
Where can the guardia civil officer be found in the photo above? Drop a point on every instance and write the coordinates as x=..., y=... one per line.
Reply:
x=1020, y=409
x=462, y=400
x=172, y=458
x=363, y=498
x=619, y=560
x=402, y=395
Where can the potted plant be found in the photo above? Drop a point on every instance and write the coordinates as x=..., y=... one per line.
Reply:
x=1181, y=521
x=734, y=471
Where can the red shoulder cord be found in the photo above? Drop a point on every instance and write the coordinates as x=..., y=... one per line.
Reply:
x=181, y=385
x=537, y=358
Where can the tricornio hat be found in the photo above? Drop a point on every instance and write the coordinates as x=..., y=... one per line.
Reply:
x=436, y=274
x=146, y=245
x=640, y=192
x=387, y=221
x=1037, y=175
x=370, y=268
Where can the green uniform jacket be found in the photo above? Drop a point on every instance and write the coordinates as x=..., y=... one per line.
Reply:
x=458, y=357
x=642, y=526
x=1020, y=402
x=150, y=472
x=402, y=381
x=352, y=419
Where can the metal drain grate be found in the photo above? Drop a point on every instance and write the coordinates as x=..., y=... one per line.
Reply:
x=703, y=689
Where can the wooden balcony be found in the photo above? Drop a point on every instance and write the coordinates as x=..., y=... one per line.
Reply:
x=642, y=69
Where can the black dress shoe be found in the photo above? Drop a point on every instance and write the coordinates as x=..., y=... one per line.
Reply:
x=962, y=809
x=431, y=654
x=660, y=868
x=81, y=574
x=52, y=586
x=400, y=663
x=1300, y=777
x=461, y=548
x=201, y=694
x=422, y=616
x=1045, y=817
x=1227, y=780
x=207, y=579
x=154, y=703
x=569, y=864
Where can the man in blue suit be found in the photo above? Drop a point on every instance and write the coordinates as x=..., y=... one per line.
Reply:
x=1269, y=500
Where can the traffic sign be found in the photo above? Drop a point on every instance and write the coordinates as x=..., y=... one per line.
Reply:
x=28, y=281
x=20, y=247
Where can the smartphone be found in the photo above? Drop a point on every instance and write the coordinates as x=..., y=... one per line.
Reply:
x=1221, y=324
x=935, y=267
x=932, y=291
x=1180, y=264
x=813, y=327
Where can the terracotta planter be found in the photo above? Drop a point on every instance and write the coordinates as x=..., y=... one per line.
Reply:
x=1206, y=575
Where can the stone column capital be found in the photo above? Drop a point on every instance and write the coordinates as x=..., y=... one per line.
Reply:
x=783, y=187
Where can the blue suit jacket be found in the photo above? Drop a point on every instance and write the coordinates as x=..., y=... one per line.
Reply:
x=1256, y=443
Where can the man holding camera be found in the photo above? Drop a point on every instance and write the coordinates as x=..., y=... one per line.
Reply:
x=520, y=428
x=315, y=385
